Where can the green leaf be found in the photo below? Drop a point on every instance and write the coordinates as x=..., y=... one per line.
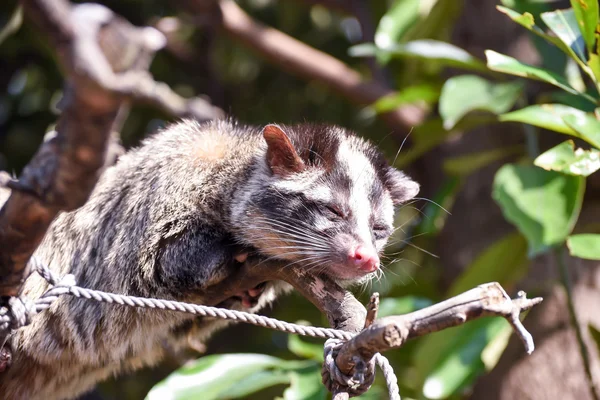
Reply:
x=503, y=63
x=424, y=49
x=568, y=99
x=594, y=63
x=494, y=349
x=305, y=349
x=505, y=261
x=547, y=116
x=559, y=118
x=586, y=13
x=574, y=77
x=400, y=17
x=306, y=385
x=465, y=93
x=254, y=383
x=585, y=245
x=544, y=205
x=467, y=164
x=527, y=21
x=211, y=376
x=585, y=125
x=564, y=158
x=564, y=24
x=401, y=305
x=437, y=18
x=460, y=362
x=424, y=92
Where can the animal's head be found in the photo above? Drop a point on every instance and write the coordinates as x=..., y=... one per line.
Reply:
x=326, y=202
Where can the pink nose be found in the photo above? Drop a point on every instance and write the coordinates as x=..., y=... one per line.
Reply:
x=365, y=258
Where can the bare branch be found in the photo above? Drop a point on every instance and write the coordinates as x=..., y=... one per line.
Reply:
x=391, y=332
x=343, y=311
x=298, y=58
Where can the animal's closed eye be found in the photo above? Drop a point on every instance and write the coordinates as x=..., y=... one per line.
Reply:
x=334, y=212
x=381, y=231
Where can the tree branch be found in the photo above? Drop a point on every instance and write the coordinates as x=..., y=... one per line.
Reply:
x=345, y=312
x=300, y=59
x=392, y=332
x=104, y=58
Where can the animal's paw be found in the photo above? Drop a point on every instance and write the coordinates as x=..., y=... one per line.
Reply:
x=5, y=358
x=249, y=298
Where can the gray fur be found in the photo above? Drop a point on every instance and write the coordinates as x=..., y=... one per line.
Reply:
x=167, y=221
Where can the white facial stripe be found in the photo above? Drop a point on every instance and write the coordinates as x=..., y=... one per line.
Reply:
x=387, y=209
x=298, y=182
x=320, y=193
x=361, y=174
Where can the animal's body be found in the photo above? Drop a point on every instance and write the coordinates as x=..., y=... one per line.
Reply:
x=180, y=214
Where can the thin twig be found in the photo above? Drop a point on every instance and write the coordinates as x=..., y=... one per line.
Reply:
x=372, y=309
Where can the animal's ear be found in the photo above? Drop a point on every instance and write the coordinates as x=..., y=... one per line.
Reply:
x=281, y=154
x=401, y=187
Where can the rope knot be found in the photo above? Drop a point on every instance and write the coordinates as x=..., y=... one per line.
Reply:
x=16, y=313
x=334, y=379
x=66, y=281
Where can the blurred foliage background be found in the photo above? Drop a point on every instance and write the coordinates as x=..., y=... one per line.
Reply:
x=488, y=88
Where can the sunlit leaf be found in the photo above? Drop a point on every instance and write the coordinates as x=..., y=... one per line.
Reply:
x=584, y=245
x=559, y=118
x=527, y=20
x=400, y=17
x=544, y=205
x=574, y=77
x=305, y=349
x=494, y=349
x=564, y=24
x=401, y=305
x=508, y=65
x=436, y=20
x=467, y=164
x=564, y=158
x=427, y=93
x=211, y=376
x=586, y=13
x=594, y=63
x=461, y=362
x=586, y=126
x=425, y=49
x=505, y=261
x=465, y=93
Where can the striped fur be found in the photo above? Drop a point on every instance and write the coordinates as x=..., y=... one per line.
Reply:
x=168, y=221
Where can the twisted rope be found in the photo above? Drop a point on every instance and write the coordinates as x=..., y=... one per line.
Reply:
x=20, y=311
